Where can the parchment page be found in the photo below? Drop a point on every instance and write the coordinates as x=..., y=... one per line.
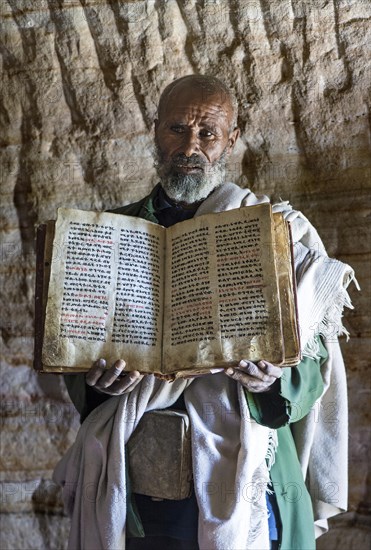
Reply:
x=189, y=322
x=83, y=320
x=221, y=294
x=137, y=324
x=249, y=308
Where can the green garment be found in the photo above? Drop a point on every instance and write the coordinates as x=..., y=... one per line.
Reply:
x=300, y=387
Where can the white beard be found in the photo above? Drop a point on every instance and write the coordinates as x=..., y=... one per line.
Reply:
x=192, y=188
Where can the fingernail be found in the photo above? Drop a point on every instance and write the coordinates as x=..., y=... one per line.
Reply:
x=229, y=371
x=102, y=363
x=243, y=363
x=262, y=365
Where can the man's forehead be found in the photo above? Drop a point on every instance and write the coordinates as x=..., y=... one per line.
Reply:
x=210, y=111
x=188, y=103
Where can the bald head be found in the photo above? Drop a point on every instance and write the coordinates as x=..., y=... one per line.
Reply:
x=203, y=86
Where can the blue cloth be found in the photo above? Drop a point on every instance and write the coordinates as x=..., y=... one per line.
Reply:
x=274, y=520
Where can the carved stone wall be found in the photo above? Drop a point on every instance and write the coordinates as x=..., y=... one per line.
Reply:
x=79, y=88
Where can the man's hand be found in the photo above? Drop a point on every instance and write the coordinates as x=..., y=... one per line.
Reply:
x=256, y=378
x=112, y=381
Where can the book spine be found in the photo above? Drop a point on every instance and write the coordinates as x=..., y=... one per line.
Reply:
x=39, y=306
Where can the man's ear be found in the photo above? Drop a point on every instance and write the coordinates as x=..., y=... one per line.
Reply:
x=233, y=137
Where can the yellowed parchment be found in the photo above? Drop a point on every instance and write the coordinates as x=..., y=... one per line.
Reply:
x=221, y=292
x=92, y=309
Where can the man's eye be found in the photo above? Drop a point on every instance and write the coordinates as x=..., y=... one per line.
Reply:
x=177, y=128
x=206, y=133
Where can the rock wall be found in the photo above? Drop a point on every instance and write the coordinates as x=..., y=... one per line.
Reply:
x=79, y=88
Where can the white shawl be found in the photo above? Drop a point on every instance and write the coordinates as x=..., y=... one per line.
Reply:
x=229, y=456
x=321, y=438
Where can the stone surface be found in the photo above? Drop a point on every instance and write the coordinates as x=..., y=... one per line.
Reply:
x=33, y=532
x=352, y=533
x=79, y=87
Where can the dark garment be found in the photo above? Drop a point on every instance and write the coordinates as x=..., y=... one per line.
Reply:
x=177, y=519
x=160, y=543
x=168, y=212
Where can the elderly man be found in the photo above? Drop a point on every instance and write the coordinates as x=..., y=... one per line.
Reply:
x=195, y=132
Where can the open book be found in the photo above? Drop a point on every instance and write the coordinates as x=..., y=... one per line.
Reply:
x=202, y=294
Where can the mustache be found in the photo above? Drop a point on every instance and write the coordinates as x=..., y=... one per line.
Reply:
x=194, y=161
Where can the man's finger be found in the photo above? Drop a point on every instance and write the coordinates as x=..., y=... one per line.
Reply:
x=251, y=383
x=263, y=370
x=249, y=368
x=124, y=384
x=270, y=369
x=95, y=372
x=246, y=379
x=110, y=375
x=130, y=381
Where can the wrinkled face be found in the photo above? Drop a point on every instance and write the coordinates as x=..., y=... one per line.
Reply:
x=193, y=141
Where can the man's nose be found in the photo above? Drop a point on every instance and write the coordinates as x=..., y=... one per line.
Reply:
x=190, y=144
